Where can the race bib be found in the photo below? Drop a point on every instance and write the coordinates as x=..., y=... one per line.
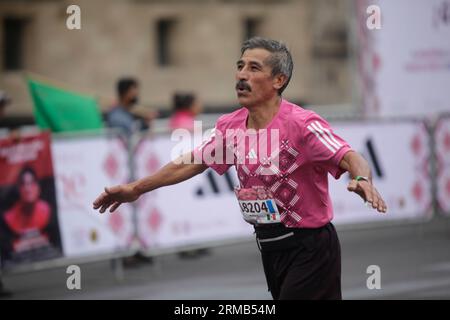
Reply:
x=257, y=205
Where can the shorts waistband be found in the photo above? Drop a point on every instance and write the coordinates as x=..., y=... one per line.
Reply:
x=280, y=227
x=278, y=236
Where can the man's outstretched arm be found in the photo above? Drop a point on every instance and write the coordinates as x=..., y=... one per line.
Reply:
x=172, y=173
x=356, y=165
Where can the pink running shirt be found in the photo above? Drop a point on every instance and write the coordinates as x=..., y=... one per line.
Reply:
x=307, y=150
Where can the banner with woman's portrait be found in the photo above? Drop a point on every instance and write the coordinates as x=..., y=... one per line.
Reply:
x=29, y=229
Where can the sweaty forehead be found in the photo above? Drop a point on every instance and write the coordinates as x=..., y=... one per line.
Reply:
x=255, y=55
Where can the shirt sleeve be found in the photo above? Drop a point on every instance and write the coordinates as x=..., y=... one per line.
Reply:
x=323, y=146
x=212, y=151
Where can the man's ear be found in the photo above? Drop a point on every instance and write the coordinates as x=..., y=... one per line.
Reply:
x=279, y=81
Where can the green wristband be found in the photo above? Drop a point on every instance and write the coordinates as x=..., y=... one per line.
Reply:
x=359, y=178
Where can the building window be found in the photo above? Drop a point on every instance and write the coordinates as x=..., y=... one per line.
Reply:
x=331, y=43
x=13, y=35
x=164, y=41
x=252, y=28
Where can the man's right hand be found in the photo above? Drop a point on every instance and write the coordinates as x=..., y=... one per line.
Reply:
x=114, y=196
x=172, y=173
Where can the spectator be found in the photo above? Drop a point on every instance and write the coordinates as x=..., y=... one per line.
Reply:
x=4, y=102
x=120, y=116
x=186, y=107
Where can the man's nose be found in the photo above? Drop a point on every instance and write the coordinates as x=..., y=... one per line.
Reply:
x=242, y=74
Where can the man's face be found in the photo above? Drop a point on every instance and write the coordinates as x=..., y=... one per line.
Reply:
x=29, y=189
x=132, y=95
x=254, y=81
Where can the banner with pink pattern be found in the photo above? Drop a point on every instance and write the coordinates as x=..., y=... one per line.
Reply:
x=399, y=155
x=442, y=140
x=83, y=167
x=204, y=208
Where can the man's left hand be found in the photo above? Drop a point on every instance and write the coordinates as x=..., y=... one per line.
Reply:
x=368, y=193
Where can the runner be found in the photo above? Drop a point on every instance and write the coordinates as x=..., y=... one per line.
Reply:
x=283, y=154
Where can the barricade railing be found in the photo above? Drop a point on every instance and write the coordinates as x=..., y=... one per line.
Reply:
x=410, y=156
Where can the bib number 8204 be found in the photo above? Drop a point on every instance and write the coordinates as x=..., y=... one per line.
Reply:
x=258, y=207
x=254, y=207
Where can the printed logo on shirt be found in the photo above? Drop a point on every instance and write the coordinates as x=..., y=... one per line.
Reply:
x=227, y=148
x=252, y=154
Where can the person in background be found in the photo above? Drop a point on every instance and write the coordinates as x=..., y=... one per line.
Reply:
x=121, y=116
x=5, y=128
x=186, y=107
x=4, y=102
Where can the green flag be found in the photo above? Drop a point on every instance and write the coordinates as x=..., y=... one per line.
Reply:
x=60, y=110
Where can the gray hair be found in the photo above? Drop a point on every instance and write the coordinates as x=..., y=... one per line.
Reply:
x=280, y=59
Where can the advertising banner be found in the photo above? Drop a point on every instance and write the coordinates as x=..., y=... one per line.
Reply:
x=442, y=138
x=29, y=228
x=83, y=168
x=405, y=63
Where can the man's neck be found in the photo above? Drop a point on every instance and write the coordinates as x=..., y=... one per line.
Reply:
x=260, y=116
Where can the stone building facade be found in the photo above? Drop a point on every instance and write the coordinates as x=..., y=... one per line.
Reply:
x=172, y=45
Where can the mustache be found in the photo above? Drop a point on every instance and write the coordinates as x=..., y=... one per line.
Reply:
x=241, y=84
